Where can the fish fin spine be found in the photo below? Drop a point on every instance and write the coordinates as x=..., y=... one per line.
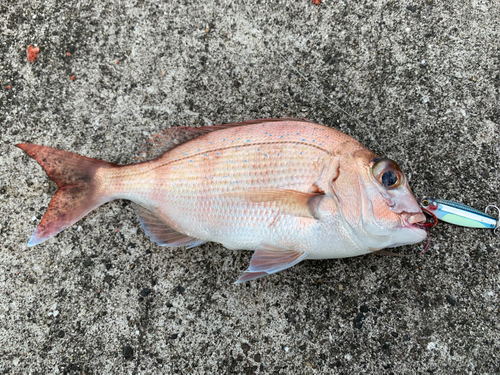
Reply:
x=159, y=231
x=78, y=193
x=166, y=140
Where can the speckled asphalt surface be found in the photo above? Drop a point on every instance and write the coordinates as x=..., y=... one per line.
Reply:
x=422, y=76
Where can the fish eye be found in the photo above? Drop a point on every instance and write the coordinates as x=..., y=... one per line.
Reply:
x=425, y=202
x=386, y=172
x=389, y=179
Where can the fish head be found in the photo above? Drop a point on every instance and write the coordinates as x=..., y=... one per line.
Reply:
x=377, y=203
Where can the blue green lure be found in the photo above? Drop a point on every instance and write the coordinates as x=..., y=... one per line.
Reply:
x=460, y=214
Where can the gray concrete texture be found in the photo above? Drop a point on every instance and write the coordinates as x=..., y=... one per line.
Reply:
x=423, y=78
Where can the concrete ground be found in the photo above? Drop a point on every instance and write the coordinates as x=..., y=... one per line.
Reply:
x=423, y=78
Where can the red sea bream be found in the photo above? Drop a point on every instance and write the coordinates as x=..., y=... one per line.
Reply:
x=288, y=189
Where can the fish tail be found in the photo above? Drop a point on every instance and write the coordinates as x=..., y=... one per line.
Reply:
x=79, y=191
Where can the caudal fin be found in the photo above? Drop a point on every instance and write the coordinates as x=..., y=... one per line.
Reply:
x=77, y=194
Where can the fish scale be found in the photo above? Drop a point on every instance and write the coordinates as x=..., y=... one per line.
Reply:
x=188, y=180
x=288, y=189
x=194, y=190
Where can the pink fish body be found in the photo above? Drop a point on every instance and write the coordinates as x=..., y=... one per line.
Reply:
x=288, y=189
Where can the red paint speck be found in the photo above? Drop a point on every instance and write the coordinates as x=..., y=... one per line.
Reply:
x=8, y=87
x=317, y=2
x=117, y=61
x=33, y=53
x=72, y=78
x=68, y=53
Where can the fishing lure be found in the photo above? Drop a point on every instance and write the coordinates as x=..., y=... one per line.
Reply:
x=461, y=214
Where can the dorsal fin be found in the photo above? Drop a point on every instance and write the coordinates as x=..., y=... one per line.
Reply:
x=165, y=140
x=160, y=232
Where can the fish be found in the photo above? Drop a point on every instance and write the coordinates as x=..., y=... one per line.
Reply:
x=288, y=189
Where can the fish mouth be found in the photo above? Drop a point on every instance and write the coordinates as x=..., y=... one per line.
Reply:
x=415, y=220
x=411, y=230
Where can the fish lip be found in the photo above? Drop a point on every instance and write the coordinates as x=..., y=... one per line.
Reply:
x=413, y=220
x=416, y=228
x=417, y=218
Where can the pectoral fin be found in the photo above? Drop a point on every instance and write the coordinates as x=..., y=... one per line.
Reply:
x=291, y=202
x=270, y=259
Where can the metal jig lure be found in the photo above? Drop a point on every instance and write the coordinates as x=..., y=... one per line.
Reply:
x=461, y=214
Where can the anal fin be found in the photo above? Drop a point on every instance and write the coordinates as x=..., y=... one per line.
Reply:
x=159, y=230
x=269, y=259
